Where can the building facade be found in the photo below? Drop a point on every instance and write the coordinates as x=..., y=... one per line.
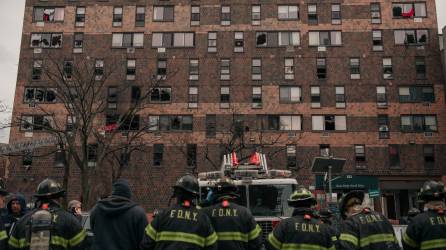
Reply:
x=359, y=80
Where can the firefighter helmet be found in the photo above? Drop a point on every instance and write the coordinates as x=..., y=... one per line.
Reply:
x=413, y=212
x=355, y=197
x=188, y=184
x=432, y=191
x=301, y=197
x=225, y=187
x=325, y=213
x=49, y=189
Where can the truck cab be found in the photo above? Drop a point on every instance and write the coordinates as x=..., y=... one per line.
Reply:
x=264, y=192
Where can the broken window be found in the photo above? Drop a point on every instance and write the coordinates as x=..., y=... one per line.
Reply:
x=329, y=122
x=37, y=70
x=48, y=14
x=46, y=40
x=160, y=95
x=161, y=69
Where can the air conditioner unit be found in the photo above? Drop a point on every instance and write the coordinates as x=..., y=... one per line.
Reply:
x=289, y=48
x=428, y=134
x=383, y=128
x=77, y=50
x=130, y=50
x=291, y=134
x=325, y=134
x=161, y=50
x=37, y=50
x=321, y=49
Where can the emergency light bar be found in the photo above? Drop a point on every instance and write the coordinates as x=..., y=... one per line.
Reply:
x=214, y=175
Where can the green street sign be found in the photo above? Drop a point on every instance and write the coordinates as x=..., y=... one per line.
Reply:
x=373, y=193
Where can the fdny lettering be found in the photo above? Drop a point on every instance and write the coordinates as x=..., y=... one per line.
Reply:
x=370, y=218
x=183, y=214
x=307, y=227
x=224, y=212
x=438, y=220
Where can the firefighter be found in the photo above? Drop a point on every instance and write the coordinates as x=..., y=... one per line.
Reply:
x=234, y=224
x=363, y=228
x=302, y=230
x=182, y=226
x=48, y=226
x=3, y=235
x=428, y=229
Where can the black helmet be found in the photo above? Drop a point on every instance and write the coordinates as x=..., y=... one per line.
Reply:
x=413, y=212
x=188, y=184
x=302, y=197
x=325, y=213
x=49, y=189
x=225, y=187
x=355, y=197
x=432, y=191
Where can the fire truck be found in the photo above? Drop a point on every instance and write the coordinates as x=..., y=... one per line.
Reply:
x=263, y=191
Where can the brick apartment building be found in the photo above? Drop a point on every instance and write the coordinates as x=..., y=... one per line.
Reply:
x=360, y=80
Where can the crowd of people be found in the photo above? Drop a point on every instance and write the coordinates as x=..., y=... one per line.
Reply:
x=117, y=222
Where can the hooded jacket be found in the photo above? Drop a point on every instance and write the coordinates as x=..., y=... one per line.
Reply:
x=118, y=223
x=10, y=218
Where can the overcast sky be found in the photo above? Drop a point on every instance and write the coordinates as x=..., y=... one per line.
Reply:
x=11, y=20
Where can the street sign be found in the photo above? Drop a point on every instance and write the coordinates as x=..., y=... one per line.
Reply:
x=373, y=193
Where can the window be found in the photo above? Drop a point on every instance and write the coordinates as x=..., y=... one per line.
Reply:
x=34, y=95
x=340, y=96
x=315, y=93
x=27, y=159
x=68, y=67
x=394, y=155
x=411, y=37
x=225, y=69
x=325, y=38
x=257, y=97
x=290, y=94
x=163, y=13
x=321, y=68
x=48, y=14
x=78, y=42
x=211, y=126
x=383, y=127
x=212, y=41
x=128, y=40
x=99, y=69
x=37, y=70
x=336, y=14
x=191, y=152
x=355, y=68
x=193, y=69
x=360, y=153
x=71, y=123
x=409, y=10
x=161, y=70
x=288, y=12
x=176, y=122
x=281, y=122
x=289, y=69
x=420, y=67
x=239, y=42
x=112, y=98
x=177, y=40
x=291, y=156
x=255, y=15
x=80, y=17
x=429, y=155
x=193, y=97
x=274, y=39
x=135, y=94
x=158, y=151
x=312, y=14
x=381, y=96
x=377, y=40
x=129, y=123
x=225, y=18
x=195, y=15
x=387, y=68
x=418, y=123
x=117, y=16
x=416, y=94
x=256, y=69
x=131, y=69
x=140, y=16
x=160, y=95
x=329, y=122
x=324, y=150
x=375, y=13
x=46, y=40
x=36, y=122
x=224, y=97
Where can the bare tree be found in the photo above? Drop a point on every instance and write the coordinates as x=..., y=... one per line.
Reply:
x=83, y=92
